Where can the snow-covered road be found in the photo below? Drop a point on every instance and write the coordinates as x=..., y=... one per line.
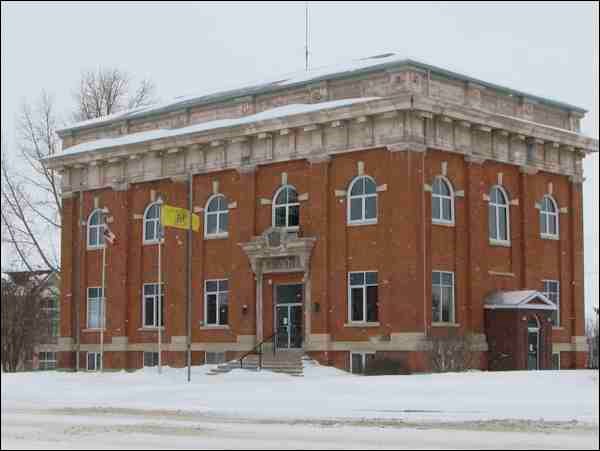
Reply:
x=325, y=409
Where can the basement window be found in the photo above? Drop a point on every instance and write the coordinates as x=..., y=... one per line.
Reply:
x=94, y=361
x=359, y=362
x=150, y=359
x=215, y=358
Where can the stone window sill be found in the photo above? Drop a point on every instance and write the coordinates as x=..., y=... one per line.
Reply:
x=550, y=238
x=445, y=325
x=222, y=236
x=150, y=329
x=558, y=329
x=215, y=328
x=450, y=225
x=363, y=223
x=495, y=243
x=362, y=325
x=92, y=331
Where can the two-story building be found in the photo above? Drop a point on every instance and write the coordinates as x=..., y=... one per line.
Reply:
x=352, y=212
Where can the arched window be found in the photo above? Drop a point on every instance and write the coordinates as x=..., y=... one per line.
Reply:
x=286, y=208
x=549, y=218
x=442, y=201
x=499, y=212
x=362, y=201
x=152, y=226
x=95, y=230
x=216, y=217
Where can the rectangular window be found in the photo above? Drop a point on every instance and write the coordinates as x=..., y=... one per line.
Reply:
x=94, y=308
x=359, y=362
x=552, y=292
x=556, y=361
x=47, y=361
x=216, y=300
x=152, y=305
x=443, y=297
x=150, y=359
x=94, y=361
x=363, y=297
x=52, y=310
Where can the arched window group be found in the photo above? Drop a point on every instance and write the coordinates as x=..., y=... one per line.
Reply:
x=442, y=203
x=95, y=229
x=362, y=201
x=286, y=208
x=499, y=215
x=549, y=222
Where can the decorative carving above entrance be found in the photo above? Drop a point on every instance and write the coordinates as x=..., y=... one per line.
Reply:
x=279, y=251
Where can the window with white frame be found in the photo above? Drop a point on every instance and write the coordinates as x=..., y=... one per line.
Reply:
x=359, y=362
x=216, y=302
x=95, y=300
x=552, y=292
x=442, y=201
x=286, y=208
x=443, y=297
x=94, y=361
x=499, y=216
x=153, y=303
x=363, y=297
x=362, y=201
x=216, y=217
x=47, y=361
x=150, y=359
x=95, y=230
x=549, y=218
x=152, y=225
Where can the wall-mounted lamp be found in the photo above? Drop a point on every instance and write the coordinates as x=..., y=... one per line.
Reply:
x=244, y=310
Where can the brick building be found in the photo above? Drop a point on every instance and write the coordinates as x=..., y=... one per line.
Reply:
x=353, y=213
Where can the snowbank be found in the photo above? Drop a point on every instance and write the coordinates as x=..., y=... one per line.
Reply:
x=324, y=393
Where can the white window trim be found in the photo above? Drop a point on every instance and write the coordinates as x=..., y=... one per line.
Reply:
x=97, y=356
x=363, y=198
x=217, y=235
x=498, y=207
x=452, y=321
x=46, y=362
x=451, y=198
x=287, y=207
x=546, y=293
x=155, y=325
x=363, y=355
x=364, y=288
x=158, y=225
x=101, y=307
x=217, y=325
x=100, y=227
x=548, y=216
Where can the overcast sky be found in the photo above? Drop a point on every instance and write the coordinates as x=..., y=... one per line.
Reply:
x=547, y=49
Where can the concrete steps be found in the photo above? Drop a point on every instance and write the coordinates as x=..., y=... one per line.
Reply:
x=282, y=362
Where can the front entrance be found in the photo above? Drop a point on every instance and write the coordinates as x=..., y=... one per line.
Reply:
x=533, y=345
x=288, y=316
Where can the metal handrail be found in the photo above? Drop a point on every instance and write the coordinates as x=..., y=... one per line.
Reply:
x=258, y=350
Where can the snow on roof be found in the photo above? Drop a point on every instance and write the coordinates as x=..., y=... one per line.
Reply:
x=352, y=68
x=517, y=300
x=151, y=135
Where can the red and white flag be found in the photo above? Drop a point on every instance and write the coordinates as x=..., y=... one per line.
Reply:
x=109, y=236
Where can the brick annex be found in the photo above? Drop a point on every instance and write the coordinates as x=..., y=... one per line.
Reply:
x=352, y=213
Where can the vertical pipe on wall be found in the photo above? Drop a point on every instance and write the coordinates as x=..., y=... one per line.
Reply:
x=190, y=236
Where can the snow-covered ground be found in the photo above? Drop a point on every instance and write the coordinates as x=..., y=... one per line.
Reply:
x=327, y=408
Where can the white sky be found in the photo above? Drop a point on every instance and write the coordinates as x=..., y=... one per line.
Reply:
x=546, y=49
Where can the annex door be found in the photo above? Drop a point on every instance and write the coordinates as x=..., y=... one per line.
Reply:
x=533, y=345
x=288, y=316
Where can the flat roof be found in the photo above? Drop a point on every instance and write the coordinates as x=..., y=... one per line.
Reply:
x=354, y=68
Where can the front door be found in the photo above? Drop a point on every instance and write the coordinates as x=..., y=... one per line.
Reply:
x=288, y=316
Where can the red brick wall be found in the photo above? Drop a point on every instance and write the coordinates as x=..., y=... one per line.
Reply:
x=404, y=247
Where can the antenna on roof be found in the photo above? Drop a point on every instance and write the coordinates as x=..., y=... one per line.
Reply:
x=307, y=30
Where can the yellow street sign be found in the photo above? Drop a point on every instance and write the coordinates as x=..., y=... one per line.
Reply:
x=179, y=218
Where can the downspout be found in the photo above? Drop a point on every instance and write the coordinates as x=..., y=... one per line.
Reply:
x=81, y=286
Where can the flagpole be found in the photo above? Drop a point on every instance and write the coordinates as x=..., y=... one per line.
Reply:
x=189, y=279
x=160, y=289
x=103, y=302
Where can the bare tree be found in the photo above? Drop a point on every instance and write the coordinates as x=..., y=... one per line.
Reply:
x=109, y=90
x=31, y=200
x=452, y=354
x=31, y=193
x=25, y=323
